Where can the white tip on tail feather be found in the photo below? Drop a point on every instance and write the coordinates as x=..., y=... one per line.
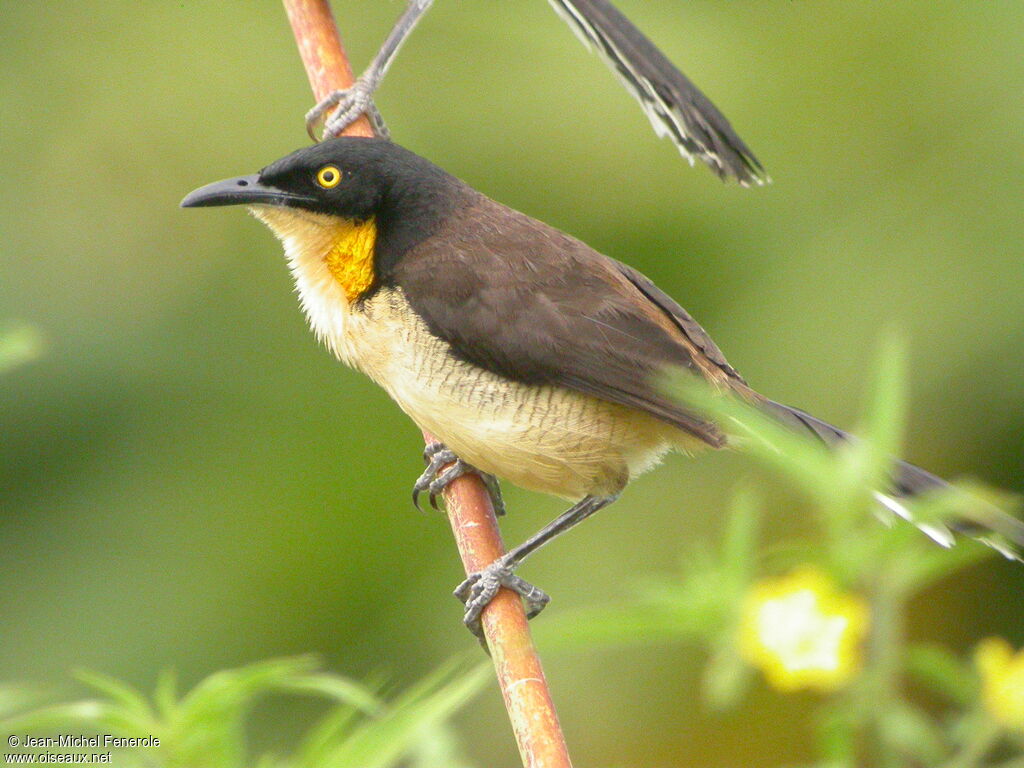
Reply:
x=940, y=534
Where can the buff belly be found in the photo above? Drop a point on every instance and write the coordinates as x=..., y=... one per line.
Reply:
x=547, y=439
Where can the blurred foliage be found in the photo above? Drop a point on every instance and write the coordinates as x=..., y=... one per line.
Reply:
x=836, y=621
x=188, y=481
x=205, y=728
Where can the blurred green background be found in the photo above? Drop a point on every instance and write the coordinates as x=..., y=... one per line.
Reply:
x=187, y=480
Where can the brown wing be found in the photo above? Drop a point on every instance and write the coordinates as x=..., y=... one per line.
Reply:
x=521, y=299
x=689, y=327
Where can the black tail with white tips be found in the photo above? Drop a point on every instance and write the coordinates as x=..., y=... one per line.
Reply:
x=1000, y=531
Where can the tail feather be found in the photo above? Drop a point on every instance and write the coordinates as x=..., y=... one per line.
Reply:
x=993, y=527
x=674, y=105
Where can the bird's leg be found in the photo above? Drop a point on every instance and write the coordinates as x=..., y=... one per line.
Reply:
x=434, y=480
x=480, y=588
x=350, y=103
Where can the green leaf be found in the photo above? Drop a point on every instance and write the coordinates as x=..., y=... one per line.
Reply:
x=132, y=704
x=380, y=742
x=437, y=747
x=837, y=734
x=329, y=731
x=166, y=694
x=739, y=544
x=885, y=414
x=726, y=678
x=337, y=688
x=16, y=698
x=207, y=728
x=940, y=670
x=912, y=732
x=71, y=714
x=354, y=700
x=701, y=604
x=933, y=563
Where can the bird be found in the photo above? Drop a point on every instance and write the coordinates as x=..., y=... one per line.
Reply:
x=531, y=356
x=675, y=106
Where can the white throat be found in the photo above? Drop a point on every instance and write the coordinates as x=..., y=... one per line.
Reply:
x=307, y=237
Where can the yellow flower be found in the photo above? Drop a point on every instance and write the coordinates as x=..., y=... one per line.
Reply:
x=1002, y=681
x=802, y=632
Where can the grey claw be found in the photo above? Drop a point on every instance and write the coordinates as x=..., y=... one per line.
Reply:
x=347, y=105
x=314, y=115
x=355, y=102
x=436, y=455
x=479, y=589
x=433, y=480
x=377, y=121
x=437, y=486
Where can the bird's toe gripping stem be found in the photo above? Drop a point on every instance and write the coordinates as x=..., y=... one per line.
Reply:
x=345, y=107
x=477, y=591
x=434, y=480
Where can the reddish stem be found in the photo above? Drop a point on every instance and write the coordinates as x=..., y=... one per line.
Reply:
x=516, y=663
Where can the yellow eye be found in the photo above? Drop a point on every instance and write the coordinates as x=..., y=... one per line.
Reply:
x=328, y=177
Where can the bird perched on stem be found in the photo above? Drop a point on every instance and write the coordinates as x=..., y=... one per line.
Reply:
x=532, y=356
x=675, y=106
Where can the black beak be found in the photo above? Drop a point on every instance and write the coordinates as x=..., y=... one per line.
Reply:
x=241, y=191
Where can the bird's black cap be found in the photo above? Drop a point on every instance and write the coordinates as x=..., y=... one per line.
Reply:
x=348, y=176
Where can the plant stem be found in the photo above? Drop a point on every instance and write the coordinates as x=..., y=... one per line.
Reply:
x=978, y=746
x=322, y=53
x=516, y=663
x=885, y=650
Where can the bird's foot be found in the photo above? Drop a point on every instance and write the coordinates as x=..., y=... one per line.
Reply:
x=434, y=480
x=477, y=591
x=345, y=107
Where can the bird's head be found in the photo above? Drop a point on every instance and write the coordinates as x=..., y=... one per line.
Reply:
x=354, y=205
x=349, y=177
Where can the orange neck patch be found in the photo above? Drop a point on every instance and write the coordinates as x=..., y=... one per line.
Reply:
x=350, y=259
